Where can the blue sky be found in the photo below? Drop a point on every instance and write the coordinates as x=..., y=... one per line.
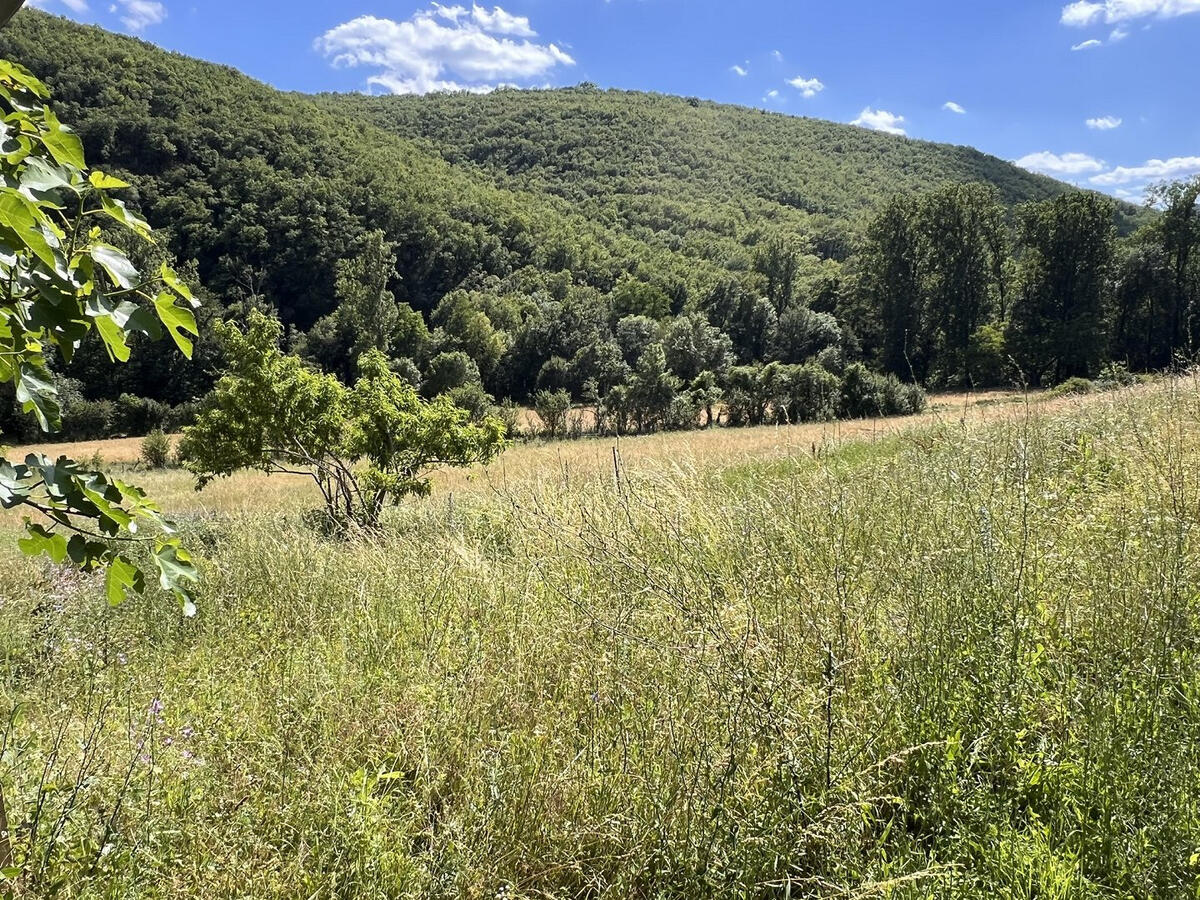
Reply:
x=1103, y=93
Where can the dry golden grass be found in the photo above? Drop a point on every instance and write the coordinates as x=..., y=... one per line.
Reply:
x=560, y=461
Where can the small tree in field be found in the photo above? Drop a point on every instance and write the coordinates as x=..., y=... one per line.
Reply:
x=364, y=447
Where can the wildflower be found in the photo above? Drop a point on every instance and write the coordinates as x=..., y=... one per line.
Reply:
x=156, y=707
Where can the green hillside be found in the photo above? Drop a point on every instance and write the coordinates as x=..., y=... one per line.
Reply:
x=663, y=164
x=549, y=239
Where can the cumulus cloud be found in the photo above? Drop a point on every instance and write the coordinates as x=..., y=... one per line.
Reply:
x=138, y=14
x=443, y=48
x=739, y=71
x=808, y=87
x=951, y=106
x=1153, y=170
x=1057, y=165
x=75, y=6
x=1104, y=123
x=1083, y=13
x=880, y=120
x=770, y=95
x=1088, y=45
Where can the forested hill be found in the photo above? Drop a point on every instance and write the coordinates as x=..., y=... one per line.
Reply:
x=566, y=239
x=664, y=163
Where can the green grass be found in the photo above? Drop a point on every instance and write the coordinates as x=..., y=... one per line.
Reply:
x=960, y=662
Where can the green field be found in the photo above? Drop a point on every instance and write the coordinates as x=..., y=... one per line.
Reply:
x=956, y=661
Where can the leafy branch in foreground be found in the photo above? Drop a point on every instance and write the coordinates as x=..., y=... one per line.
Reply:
x=59, y=282
x=365, y=446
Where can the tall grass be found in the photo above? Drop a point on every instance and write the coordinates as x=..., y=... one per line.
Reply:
x=960, y=661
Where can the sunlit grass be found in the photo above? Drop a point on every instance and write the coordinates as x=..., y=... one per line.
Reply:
x=956, y=662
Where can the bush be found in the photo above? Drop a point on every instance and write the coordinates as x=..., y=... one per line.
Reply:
x=134, y=415
x=865, y=394
x=811, y=394
x=509, y=415
x=1116, y=375
x=987, y=357
x=181, y=416
x=683, y=413
x=552, y=408
x=87, y=420
x=1074, y=387
x=448, y=371
x=156, y=449
x=474, y=399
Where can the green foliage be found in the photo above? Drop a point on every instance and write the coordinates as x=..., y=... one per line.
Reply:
x=61, y=282
x=513, y=228
x=156, y=449
x=363, y=447
x=1057, y=327
x=553, y=408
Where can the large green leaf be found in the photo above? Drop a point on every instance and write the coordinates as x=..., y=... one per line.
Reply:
x=178, y=321
x=177, y=573
x=122, y=577
x=123, y=273
x=37, y=394
x=116, y=210
x=64, y=145
x=38, y=542
x=25, y=222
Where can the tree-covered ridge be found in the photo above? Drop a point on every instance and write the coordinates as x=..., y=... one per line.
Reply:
x=664, y=261
x=584, y=144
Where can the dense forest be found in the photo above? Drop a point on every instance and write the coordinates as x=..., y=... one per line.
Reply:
x=666, y=261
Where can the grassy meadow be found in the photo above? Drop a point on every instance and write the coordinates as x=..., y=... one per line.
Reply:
x=951, y=656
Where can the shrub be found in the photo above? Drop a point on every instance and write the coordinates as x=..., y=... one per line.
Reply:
x=811, y=394
x=448, y=371
x=156, y=449
x=1115, y=375
x=1074, y=387
x=474, y=399
x=181, y=416
x=865, y=393
x=134, y=415
x=683, y=413
x=87, y=420
x=509, y=415
x=552, y=408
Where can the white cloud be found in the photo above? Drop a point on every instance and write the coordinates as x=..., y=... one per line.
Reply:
x=75, y=6
x=138, y=14
x=500, y=22
x=1081, y=13
x=739, y=71
x=1088, y=45
x=777, y=56
x=444, y=48
x=951, y=106
x=1155, y=169
x=880, y=120
x=1117, y=35
x=1067, y=164
x=1112, y=12
x=771, y=95
x=808, y=87
x=1104, y=123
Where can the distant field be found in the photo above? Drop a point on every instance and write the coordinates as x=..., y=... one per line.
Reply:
x=563, y=461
